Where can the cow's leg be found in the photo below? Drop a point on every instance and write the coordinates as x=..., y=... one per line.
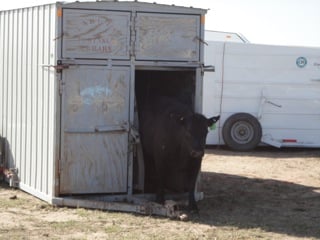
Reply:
x=193, y=170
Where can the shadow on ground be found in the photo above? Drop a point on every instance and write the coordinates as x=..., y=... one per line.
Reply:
x=265, y=151
x=271, y=205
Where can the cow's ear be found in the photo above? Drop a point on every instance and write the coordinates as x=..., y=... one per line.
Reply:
x=213, y=120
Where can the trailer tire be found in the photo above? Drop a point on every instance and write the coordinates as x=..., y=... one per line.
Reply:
x=242, y=132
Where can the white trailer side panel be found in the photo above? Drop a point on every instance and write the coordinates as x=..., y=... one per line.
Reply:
x=270, y=83
x=27, y=95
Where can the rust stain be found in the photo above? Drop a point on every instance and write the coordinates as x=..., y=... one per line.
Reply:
x=59, y=12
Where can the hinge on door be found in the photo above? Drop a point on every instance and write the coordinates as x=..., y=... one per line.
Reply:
x=60, y=66
x=201, y=40
x=208, y=68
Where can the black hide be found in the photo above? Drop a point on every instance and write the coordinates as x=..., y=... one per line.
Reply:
x=173, y=139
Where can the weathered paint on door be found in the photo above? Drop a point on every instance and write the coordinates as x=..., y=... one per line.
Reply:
x=171, y=37
x=95, y=124
x=96, y=34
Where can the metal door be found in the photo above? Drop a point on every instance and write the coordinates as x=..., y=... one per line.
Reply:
x=167, y=37
x=93, y=34
x=95, y=125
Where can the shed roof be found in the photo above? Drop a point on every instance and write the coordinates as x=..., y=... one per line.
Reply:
x=134, y=6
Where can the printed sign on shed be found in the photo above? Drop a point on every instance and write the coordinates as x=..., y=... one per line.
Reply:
x=89, y=34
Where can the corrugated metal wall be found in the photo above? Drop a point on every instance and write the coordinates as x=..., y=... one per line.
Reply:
x=27, y=95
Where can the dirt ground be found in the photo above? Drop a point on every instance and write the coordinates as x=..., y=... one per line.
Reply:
x=264, y=194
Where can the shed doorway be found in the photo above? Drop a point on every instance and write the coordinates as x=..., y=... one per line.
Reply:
x=177, y=83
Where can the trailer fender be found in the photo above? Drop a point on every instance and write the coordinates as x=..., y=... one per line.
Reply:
x=242, y=132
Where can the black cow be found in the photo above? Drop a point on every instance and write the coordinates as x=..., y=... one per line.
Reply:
x=173, y=139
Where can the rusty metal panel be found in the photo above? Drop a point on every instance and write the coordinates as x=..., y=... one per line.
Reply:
x=27, y=95
x=172, y=37
x=96, y=34
x=95, y=125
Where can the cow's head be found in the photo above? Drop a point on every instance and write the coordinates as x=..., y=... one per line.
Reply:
x=194, y=131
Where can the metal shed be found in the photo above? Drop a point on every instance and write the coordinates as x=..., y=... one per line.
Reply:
x=70, y=77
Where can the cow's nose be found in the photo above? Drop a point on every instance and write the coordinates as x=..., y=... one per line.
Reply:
x=196, y=154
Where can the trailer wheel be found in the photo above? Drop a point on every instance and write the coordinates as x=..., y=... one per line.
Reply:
x=242, y=132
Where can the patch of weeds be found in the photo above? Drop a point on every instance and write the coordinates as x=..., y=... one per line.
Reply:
x=10, y=203
x=64, y=225
x=45, y=207
x=83, y=212
x=113, y=228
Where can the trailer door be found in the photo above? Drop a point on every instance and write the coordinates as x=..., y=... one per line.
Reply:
x=95, y=125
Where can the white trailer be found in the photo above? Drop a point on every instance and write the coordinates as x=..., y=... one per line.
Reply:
x=265, y=95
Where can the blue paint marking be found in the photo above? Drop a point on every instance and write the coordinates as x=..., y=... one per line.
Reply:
x=90, y=94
